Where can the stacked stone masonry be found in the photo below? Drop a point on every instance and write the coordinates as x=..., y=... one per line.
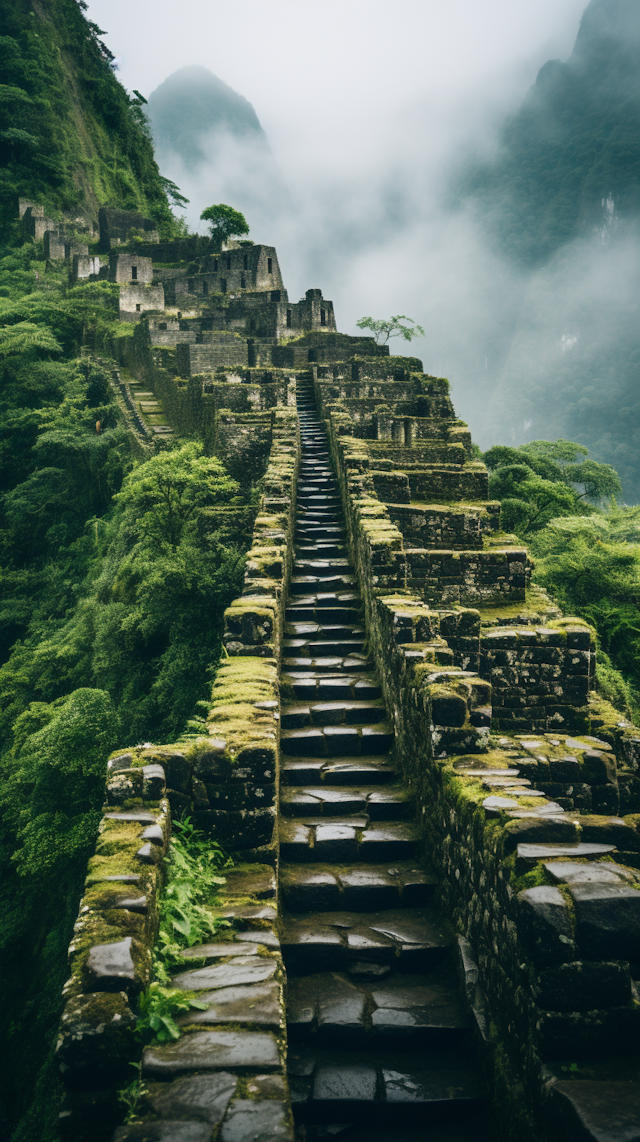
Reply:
x=434, y=817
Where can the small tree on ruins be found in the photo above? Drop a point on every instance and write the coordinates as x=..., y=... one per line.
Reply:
x=383, y=330
x=224, y=222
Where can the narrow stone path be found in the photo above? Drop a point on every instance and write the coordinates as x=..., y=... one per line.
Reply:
x=378, y=1037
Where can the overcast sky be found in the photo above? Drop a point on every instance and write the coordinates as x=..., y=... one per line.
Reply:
x=331, y=68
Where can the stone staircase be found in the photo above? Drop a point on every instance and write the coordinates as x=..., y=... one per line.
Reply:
x=378, y=1036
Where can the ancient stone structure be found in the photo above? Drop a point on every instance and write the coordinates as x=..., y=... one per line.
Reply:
x=435, y=820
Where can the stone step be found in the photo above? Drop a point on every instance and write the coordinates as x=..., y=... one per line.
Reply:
x=299, y=612
x=336, y=839
x=337, y=713
x=353, y=663
x=323, y=550
x=319, y=533
x=355, y=887
x=322, y=567
x=387, y=1088
x=303, y=584
x=405, y=1011
x=334, y=741
x=404, y=939
x=389, y=804
x=321, y=687
x=337, y=771
x=320, y=647
x=321, y=630
x=329, y=599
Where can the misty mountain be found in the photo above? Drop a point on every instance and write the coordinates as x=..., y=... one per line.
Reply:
x=193, y=105
x=560, y=204
x=209, y=140
x=569, y=164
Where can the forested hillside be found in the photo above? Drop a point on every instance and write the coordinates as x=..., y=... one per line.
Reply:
x=71, y=138
x=116, y=563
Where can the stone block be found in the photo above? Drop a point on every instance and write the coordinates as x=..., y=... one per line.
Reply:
x=587, y=1110
x=115, y=967
x=588, y=1034
x=544, y=925
x=607, y=920
x=153, y=782
x=584, y=986
x=97, y=1040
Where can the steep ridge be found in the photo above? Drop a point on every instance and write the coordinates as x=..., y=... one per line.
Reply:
x=377, y=1032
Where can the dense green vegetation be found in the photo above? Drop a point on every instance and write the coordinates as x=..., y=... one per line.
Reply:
x=71, y=138
x=116, y=574
x=115, y=568
x=586, y=548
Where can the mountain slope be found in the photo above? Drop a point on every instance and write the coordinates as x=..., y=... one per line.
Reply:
x=213, y=108
x=70, y=136
x=570, y=160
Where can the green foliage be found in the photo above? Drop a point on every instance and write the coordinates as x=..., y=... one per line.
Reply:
x=51, y=790
x=225, y=222
x=541, y=480
x=586, y=554
x=383, y=330
x=54, y=779
x=593, y=569
x=158, y=1007
x=193, y=878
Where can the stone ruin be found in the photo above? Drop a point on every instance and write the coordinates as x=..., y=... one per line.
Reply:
x=433, y=916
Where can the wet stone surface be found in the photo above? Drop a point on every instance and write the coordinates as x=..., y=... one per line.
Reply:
x=369, y=961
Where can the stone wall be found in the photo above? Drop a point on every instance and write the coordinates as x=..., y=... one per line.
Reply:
x=538, y=871
x=227, y=781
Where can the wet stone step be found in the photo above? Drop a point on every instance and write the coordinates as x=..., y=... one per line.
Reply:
x=331, y=664
x=416, y=1010
x=334, y=741
x=303, y=584
x=389, y=1087
x=328, y=629
x=321, y=566
x=337, y=771
x=323, y=616
x=322, y=648
x=389, y=804
x=319, y=687
x=359, y=888
x=337, y=713
x=321, y=550
x=402, y=939
x=326, y=838
x=328, y=599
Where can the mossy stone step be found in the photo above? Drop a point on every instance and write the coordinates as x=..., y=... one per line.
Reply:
x=355, y=887
x=404, y=939
x=393, y=803
x=340, y=839
x=390, y=1088
x=321, y=687
x=333, y=713
x=413, y=1010
x=303, y=584
x=335, y=741
x=353, y=663
x=337, y=771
